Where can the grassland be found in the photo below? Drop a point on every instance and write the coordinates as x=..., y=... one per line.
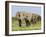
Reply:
x=15, y=27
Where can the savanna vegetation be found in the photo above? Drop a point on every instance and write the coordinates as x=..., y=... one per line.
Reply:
x=16, y=27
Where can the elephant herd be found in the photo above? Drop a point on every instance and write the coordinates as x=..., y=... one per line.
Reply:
x=28, y=22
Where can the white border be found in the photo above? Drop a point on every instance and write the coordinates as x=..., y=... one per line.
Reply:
x=24, y=32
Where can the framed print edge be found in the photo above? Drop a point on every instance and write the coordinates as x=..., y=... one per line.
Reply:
x=7, y=18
